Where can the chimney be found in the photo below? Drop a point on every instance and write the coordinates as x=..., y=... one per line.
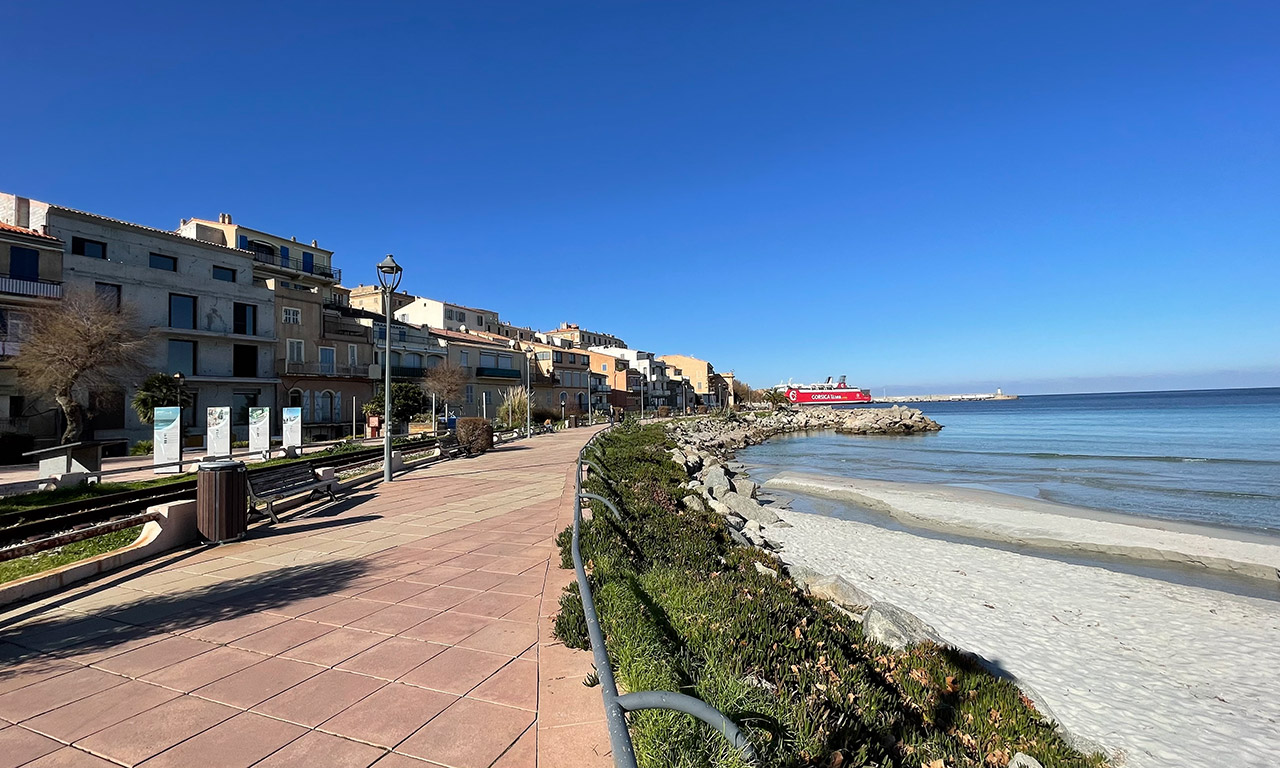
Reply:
x=22, y=212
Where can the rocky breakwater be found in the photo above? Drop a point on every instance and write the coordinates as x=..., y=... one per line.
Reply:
x=721, y=435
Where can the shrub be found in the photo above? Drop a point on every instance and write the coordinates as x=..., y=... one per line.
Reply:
x=141, y=448
x=685, y=609
x=542, y=414
x=475, y=435
x=13, y=445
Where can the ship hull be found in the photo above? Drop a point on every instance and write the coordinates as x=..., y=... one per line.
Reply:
x=798, y=396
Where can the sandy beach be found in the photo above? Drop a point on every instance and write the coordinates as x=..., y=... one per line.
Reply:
x=1156, y=672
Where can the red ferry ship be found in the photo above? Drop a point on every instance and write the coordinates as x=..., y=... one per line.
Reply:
x=827, y=393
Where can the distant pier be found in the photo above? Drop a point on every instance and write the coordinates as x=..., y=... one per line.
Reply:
x=997, y=395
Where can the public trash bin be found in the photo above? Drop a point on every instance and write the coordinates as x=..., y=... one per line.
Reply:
x=222, y=500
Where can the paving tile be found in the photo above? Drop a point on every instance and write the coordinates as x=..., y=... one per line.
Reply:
x=441, y=598
x=317, y=699
x=254, y=685
x=335, y=646
x=393, y=592
x=437, y=574
x=69, y=757
x=585, y=745
x=448, y=628
x=198, y=671
x=141, y=736
x=393, y=619
x=393, y=760
x=15, y=674
x=153, y=656
x=302, y=606
x=387, y=716
x=282, y=636
x=566, y=701
x=393, y=658
x=524, y=753
x=229, y=630
x=456, y=670
x=515, y=685
x=453, y=739
x=492, y=604
x=507, y=637
x=18, y=745
x=91, y=714
x=54, y=692
x=322, y=749
x=477, y=580
x=237, y=743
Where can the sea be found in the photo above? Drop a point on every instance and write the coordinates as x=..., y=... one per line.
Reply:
x=1202, y=456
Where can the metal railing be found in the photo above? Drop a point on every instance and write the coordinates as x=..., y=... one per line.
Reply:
x=22, y=286
x=298, y=265
x=616, y=706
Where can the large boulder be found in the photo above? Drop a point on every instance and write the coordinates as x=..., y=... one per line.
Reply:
x=716, y=480
x=841, y=591
x=1023, y=760
x=897, y=628
x=745, y=487
x=749, y=508
x=694, y=504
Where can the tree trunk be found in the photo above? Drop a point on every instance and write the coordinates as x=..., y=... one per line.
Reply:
x=75, y=416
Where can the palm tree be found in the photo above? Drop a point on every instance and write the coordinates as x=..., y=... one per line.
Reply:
x=774, y=398
x=158, y=390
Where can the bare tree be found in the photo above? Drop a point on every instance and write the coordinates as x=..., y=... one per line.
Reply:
x=447, y=382
x=80, y=343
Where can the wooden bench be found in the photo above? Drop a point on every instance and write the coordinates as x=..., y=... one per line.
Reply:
x=267, y=486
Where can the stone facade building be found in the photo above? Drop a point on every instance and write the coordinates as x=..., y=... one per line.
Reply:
x=30, y=275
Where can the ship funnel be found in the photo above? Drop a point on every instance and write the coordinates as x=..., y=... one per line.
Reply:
x=842, y=381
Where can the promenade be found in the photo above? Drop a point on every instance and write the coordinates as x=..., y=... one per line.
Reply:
x=407, y=625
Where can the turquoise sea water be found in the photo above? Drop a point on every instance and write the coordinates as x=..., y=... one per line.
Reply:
x=1207, y=456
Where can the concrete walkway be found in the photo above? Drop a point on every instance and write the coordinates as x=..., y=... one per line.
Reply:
x=407, y=625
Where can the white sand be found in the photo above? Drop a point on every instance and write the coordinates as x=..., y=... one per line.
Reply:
x=1161, y=673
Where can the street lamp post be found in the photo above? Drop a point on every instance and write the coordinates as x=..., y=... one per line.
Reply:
x=528, y=400
x=389, y=274
x=182, y=427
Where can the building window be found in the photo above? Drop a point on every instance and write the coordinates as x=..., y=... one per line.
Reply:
x=241, y=402
x=464, y=359
x=245, y=319
x=182, y=311
x=324, y=407
x=557, y=357
x=291, y=316
x=224, y=274
x=244, y=361
x=401, y=335
x=257, y=246
x=471, y=393
x=24, y=263
x=488, y=360
x=353, y=355
x=182, y=357
x=167, y=263
x=295, y=398
x=14, y=326
x=448, y=314
x=295, y=348
x=479, y=321
x=544, y=355
x=91, y=248
x=327, y=361
x=108, y=293
x=504, y=362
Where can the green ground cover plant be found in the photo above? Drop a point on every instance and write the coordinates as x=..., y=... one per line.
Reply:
x=70, y=553
x=685, y=609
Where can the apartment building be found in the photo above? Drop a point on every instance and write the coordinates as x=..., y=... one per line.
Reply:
x=564, y=376
x=708, y=387
x=212, y=320
x=30, y=274
x=582, y=339
x=451, y=317
x=655, y=379
x=622, y=380
x=492, y=364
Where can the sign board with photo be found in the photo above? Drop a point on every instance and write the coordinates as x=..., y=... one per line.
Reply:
x=260, y=430
x=292, y=418
x=167, y=439
x=218, y=436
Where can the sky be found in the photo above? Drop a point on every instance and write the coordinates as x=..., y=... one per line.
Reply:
x=930, y=196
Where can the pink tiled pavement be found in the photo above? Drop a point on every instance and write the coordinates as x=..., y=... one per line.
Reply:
x=407, y=625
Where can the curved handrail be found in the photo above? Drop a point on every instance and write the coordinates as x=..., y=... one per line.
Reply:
x=616, y=706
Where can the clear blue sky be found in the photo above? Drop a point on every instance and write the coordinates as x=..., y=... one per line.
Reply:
x=920, y=195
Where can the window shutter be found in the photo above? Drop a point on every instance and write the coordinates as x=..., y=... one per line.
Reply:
x=337, y=406
x=306, y=405
x=284, y=254
x=244, y=242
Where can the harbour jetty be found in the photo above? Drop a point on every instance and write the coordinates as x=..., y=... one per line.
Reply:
x=997, y=395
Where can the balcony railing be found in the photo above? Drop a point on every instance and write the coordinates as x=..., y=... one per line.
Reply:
x=293, y=368
x=17, y=286
x=298, y=266
x=346, y=330
x=497, y=373
x=407, y=372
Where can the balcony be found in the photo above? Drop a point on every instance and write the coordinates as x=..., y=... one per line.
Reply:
x=407, y=372
x=483, y=372
x=345, y=329
x=19, y=286
x=298, y=266
x=292, y=368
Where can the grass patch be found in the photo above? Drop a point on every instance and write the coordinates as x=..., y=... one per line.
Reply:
x=70, y=553
x=684, y=609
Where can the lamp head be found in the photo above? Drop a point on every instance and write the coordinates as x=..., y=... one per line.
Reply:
x=180, y=378
x=389, y=272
